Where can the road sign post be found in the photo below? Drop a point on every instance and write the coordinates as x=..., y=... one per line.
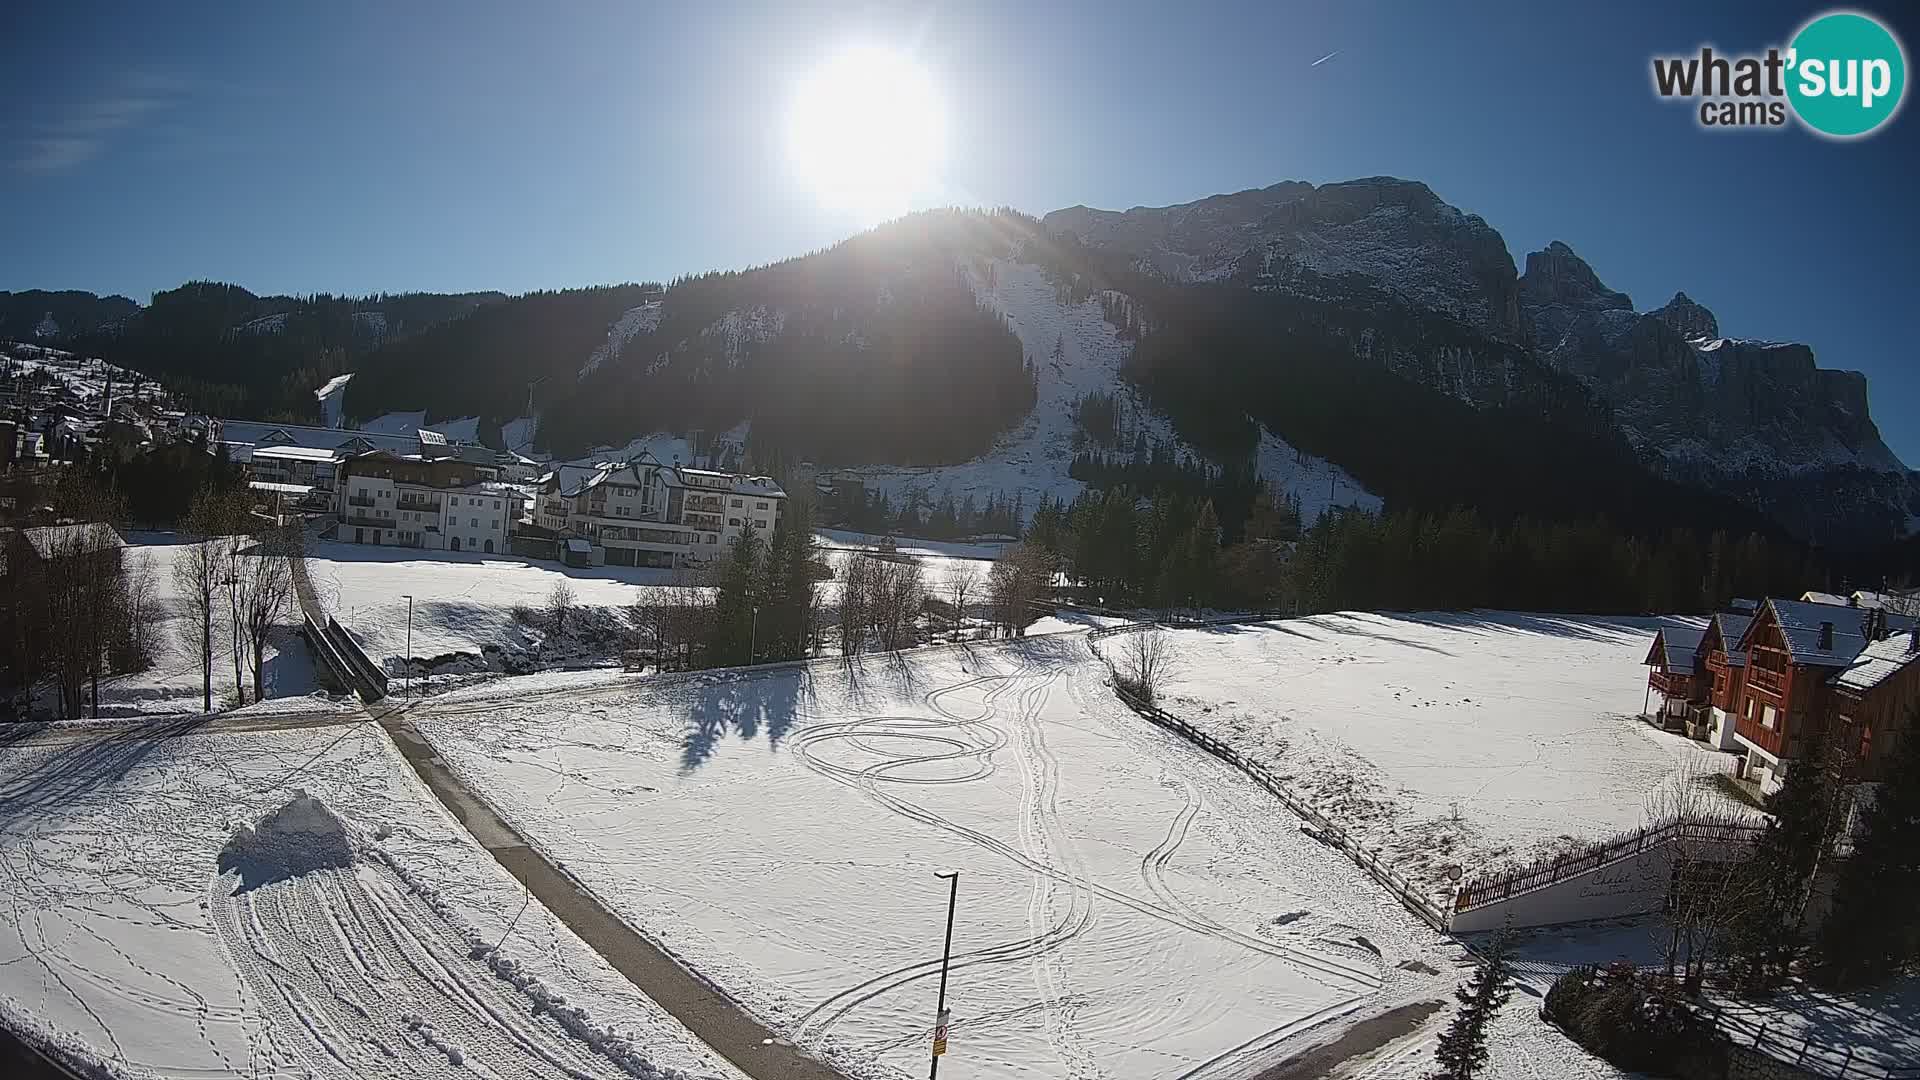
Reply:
x=946, y=961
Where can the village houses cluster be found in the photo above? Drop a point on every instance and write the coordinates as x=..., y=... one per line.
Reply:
x=1768, y=679
x=424, y=490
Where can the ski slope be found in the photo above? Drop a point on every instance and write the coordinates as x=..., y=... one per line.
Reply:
x=201, y=902
x=1032, y=459
x=1128, y=907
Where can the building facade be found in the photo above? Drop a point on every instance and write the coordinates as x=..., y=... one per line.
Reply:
x=438, y=503
x=644, y=513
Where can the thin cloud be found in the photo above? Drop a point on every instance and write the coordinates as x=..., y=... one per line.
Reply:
x=71, y=134
x=1325, y=58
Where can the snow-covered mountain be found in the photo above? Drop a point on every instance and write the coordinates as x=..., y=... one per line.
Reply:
x=1397, y=232
x=1757, y=419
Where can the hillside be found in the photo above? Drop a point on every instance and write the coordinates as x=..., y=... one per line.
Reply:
x=1356, y=343
x=234, y=353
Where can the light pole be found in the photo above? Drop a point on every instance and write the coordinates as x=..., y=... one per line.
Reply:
x=409, y=597
x=946, y=959
x=753, y=634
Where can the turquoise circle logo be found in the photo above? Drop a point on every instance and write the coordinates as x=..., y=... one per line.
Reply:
x=1847, y=74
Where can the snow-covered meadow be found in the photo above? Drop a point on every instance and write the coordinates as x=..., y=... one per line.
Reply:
x=1127, y=907
x=463, y=603
x=1447, y=741
x=175, y=906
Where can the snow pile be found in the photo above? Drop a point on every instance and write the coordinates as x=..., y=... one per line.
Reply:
x=300, y=837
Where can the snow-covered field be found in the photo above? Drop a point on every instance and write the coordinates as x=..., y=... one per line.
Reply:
x=144, y=928
x=174, y=683
x=1127, y=906
x=462, y=602
x=1448, y=741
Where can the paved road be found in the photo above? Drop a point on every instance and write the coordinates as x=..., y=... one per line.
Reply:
x=706, y=1011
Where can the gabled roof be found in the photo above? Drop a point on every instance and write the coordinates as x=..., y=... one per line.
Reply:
x=1726, y=629
x=1801, y=624
x=51, y=540
x=1814, y=596
x=1673, y=646
x=1877, y=662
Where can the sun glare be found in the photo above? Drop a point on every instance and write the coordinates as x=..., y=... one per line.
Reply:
x=867, y=133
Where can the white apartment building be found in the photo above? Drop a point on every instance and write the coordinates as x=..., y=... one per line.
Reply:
x=442, y=504
x=643, y=513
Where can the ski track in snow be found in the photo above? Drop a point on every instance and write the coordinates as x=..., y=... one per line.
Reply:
x=1076, y=920
x=357, y=976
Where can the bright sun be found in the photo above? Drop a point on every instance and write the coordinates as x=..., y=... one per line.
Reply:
x=867, y=132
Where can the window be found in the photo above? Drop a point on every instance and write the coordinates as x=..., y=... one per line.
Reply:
x=738, y=502
x=761, y=505
x=735, y=522
x=712, y=539
x=473, y=523
x=1769, y=717
x=496, y=504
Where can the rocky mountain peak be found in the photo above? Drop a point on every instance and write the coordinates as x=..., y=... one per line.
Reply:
x=1688, y=318
x=1557, y=276
x=1397, y=232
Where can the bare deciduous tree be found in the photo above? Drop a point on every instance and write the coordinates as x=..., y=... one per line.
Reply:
x=856, y=590
x=1015, y=582
x=963, y=581
x=560, y=602
x=198, y=573
x=1143, y=661
x=1712, y=883
x=898, y=596
x=263, y=588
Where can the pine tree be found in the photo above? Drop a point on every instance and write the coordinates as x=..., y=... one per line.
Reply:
x=1765, y=934
x=1463, y=1047
x=741, y=590
x=1873, y=930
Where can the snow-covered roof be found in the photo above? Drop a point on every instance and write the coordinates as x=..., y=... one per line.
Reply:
x=297, y=453
x=50, y=540
x=1802, y=625
x=1674, y=646
x=1878, y=662
x=1814, y=596
x=1732, y=628
x=579, y=546
x=261, y=434
x=280, y=489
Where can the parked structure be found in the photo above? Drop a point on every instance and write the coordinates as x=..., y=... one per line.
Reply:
x=644, y=513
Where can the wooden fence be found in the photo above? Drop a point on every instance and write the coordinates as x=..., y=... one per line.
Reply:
x=1326, y=830
x=1480, y=892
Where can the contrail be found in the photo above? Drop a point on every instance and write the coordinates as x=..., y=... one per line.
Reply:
x=1325, y=58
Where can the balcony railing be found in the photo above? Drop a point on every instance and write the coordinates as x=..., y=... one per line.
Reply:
x=413, y=504
x=367, y=520
x=355, y=500
x=1674, y=684
x=1773, y=682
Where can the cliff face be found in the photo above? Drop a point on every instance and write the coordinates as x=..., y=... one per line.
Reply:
x=1396, y=232
x=1759, y=419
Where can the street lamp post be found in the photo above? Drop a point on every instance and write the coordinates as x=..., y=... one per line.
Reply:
x=946, y=960
x=409, y=690
x=753, y=634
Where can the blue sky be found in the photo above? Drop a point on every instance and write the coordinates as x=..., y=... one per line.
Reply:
x=367, y=147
